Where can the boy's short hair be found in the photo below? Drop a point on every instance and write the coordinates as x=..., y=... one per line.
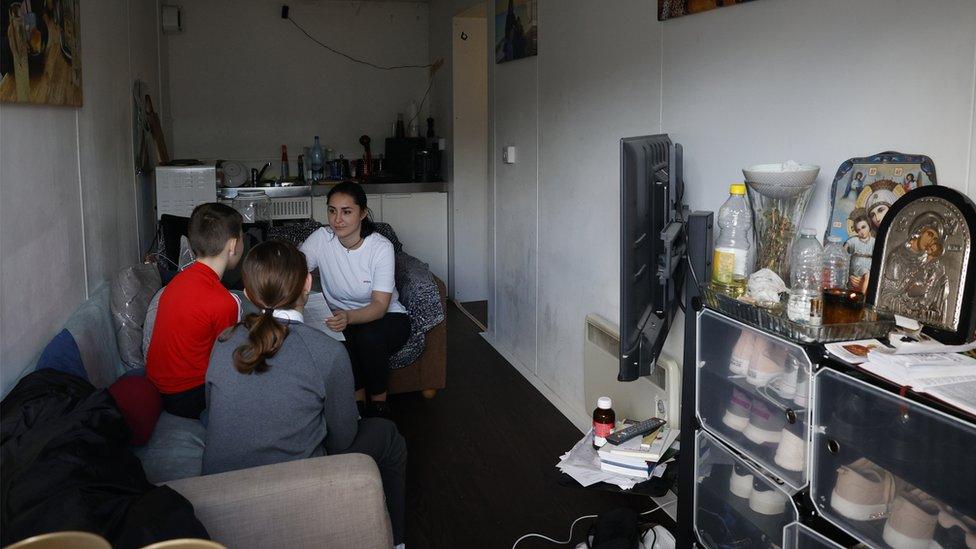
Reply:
x=211, y=226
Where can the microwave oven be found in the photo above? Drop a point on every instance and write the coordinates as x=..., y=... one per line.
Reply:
x=179, y=189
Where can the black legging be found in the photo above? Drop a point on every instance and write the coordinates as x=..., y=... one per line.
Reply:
x=190, y=403
x=370, y=347
x=379, y=439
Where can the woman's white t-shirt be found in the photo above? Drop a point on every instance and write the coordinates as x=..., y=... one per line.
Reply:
x=349, y=277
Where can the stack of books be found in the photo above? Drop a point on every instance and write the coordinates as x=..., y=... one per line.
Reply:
x=638, y=457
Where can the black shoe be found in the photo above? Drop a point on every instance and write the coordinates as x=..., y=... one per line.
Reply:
x=378, y=409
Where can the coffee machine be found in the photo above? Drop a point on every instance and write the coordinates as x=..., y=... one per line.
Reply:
x=414, y=159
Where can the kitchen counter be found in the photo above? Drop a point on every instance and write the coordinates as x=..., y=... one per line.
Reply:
x=323, y=188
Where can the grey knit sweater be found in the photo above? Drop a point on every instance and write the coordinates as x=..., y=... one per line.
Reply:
x=304, y=399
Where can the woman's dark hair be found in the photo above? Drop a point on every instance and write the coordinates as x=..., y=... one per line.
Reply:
x=274, y=276
x=358, y=195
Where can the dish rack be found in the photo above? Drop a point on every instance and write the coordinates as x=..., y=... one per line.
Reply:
x=875, y=324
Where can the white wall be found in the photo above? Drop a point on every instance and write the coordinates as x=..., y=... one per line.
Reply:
x=766, y=81
x=67, y=198
x=243, y=81
x=820, y=82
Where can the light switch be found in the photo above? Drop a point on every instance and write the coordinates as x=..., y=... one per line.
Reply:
x=508, y=155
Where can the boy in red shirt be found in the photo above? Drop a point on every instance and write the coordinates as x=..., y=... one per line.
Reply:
x=194, y=309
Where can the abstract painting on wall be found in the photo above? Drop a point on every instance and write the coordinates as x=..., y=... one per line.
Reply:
x=516, y=29
x=40, y=52
x=669, y=9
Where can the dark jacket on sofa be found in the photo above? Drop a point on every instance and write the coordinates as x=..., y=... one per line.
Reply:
x=67, y=466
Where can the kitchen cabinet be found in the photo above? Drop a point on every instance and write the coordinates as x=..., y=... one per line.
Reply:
x=419, y=219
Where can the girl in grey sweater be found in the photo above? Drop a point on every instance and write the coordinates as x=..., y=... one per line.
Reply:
x=278, y=390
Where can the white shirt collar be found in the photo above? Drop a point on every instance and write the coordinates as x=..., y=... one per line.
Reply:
x=288, y=314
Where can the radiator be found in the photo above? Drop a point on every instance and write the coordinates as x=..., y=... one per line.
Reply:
x=657, y=395
x=291, y=208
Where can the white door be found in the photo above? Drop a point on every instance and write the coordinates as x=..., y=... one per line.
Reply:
x=420, y=222
x=469, y=200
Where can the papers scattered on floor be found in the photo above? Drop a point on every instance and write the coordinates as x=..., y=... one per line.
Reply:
x=316, y=311
x=583, y=463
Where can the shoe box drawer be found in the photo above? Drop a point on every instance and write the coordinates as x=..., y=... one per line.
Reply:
x=797, y=535
x=889, y=471
x=735, y=504
x=753, y=391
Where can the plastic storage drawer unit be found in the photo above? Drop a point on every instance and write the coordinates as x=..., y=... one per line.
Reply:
x=800, y=536
x=735, y=504
x=890, y=471
x=753, y=391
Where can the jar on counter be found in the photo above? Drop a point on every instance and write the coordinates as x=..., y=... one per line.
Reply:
x=254, y=205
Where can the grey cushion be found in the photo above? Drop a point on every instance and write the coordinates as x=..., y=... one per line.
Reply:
x=91, y=327
x=132, y=289
x=175, y=450
x=147, y=326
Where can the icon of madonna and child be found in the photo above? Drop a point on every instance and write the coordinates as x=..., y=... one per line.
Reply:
x=864, y=190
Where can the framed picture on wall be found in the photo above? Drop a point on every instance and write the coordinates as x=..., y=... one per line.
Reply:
x=40, y=52
x=516, y=29
x=669, y=9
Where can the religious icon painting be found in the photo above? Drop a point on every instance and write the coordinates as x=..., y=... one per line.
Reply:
x=924, y=267
x=863, y=191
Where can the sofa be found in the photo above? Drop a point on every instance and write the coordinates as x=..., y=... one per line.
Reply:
x=330, y=501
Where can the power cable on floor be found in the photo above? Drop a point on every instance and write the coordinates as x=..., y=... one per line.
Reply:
x=569, y=540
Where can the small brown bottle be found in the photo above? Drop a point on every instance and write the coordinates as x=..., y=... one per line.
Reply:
x=603, y=421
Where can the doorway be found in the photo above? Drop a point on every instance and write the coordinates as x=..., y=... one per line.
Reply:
x=469, y=205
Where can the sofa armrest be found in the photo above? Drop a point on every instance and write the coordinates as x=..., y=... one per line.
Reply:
x=330, y=501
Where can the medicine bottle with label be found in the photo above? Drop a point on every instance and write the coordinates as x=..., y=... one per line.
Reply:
x=603, y=421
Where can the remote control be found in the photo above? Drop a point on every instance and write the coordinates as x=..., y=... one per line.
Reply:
x=637, y=429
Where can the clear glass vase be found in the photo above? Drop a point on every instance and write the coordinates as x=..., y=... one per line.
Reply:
x=776, y=212
x=254, y=206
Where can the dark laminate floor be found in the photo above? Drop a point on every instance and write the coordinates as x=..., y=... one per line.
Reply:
x=477, y=309
x=482, y=457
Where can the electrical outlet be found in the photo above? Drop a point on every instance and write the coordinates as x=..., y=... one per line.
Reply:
x=508, y=154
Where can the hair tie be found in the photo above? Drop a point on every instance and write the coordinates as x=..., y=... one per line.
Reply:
x=268, y=311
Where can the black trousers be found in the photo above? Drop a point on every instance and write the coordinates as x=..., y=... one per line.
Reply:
x=190, y=403
x=379, y=439
x=370, y=347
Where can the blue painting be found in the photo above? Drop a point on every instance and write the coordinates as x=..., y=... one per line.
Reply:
x=516, y=29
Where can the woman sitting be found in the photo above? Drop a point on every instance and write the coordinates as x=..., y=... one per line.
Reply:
x=356, y=266
x=278, y=390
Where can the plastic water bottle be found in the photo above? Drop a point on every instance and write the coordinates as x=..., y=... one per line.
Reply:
x=730, y=260
x=317, y=161
x=836, y=264
x=806, y=274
